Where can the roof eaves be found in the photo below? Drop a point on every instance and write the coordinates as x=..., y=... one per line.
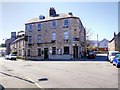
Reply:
x=32, y=22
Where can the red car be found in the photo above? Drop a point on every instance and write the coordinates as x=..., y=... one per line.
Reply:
x=91, y=55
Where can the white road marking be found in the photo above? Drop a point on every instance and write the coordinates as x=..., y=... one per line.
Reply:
x=34, y=82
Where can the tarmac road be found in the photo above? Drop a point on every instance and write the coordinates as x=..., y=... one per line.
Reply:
x=93, y=73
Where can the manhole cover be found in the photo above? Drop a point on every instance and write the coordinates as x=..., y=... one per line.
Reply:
x=43, y=79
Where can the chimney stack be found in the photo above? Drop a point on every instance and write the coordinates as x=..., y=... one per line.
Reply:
x=52, y=12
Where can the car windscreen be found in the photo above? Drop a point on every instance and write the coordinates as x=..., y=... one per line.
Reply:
x=114, y=54
x=118, y=56
x=91, y=52
x=13, y=55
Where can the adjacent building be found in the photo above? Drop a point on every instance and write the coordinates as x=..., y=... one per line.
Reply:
x=9, y=41
x=18, y=45
x=114, y=44
x=2, y=51
x=57, y=36
x=103, y=45
x=118, y=41
x=98, y=45
x=93, y=43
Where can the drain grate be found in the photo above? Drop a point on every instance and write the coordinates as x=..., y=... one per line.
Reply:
x=43, y=79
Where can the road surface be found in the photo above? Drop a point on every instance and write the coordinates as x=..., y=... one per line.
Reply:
x=91, y=73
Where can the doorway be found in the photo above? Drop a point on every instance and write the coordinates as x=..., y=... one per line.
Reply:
x=75, y=51
x=46, y=53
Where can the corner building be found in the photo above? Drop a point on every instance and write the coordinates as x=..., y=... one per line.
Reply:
x=57, y=36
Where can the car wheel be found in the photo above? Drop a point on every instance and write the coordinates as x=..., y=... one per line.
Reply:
x=111, y=61
x=114, y=64
x=117, y=66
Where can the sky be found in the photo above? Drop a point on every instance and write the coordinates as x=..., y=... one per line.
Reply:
x=97, y=17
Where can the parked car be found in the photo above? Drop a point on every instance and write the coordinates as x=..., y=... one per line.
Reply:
x=111, y=55
x=12, y=57
x=116, y=60
x=91, y=55
x=7, y=57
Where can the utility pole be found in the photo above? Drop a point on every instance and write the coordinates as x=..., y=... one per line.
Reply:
x=97, y=43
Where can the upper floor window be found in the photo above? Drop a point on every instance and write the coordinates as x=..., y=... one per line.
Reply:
x=66, y=35
x=53, y=24
x=26, y=27
x=53, y=36
x=39, y=39
x=30, y=27
x=39, y=26
x=66, y=22
x=29, y=39
x=23, y=43
x=105, y=44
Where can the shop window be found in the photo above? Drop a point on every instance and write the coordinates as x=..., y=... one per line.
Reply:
x=66, y=50
x=39, y=52
x=53, y=50
x=28, y=54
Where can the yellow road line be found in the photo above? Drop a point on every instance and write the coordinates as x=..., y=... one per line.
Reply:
x=34, y=82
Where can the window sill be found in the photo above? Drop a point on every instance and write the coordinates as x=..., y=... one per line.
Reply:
x=38, y=29
x=65, y=26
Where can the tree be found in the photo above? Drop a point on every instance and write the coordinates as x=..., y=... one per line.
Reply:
x=89, y=33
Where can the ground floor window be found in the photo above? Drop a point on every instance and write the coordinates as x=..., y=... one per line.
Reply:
x=53, y=50
x=23, y=52
x=28, y=52
x=66, y=50
x=59, y=51
x=39, y=51
x=20, y=52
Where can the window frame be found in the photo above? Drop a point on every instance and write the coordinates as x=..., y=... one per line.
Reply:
x=39, y=51
x=53, y=24
x=66, y=35
x=30, y=27
x=53, y=50
x=66, y=22
x=39, y=39
x=53, y=38
x=29, y=39
x=39, y=27
x=28, y=52
x=66, y=52
x=26, y=27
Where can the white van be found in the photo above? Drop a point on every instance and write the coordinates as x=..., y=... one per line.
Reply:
x=12, y=57
x=111, y=55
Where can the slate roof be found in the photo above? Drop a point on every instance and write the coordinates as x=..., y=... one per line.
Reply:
x=47, y=18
